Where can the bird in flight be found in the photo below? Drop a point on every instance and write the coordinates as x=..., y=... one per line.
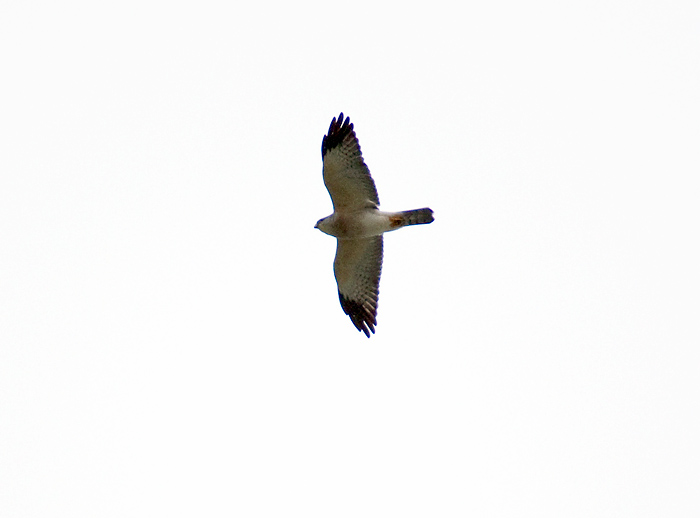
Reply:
x=357, y=223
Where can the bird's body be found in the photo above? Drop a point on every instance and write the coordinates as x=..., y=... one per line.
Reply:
x=370, y=222
x=357, y=223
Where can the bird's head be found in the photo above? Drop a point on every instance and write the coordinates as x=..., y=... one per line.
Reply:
x=322, y=224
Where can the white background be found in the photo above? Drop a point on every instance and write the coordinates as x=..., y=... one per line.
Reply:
x=171, y=341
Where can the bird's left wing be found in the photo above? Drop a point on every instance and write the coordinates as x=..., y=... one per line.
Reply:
x=357, y=267
x=345, y=174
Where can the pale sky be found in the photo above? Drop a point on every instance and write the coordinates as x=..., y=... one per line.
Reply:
x=171, y=341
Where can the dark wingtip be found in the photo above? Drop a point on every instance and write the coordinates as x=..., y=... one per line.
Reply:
x=337, y=131
x=362, y=318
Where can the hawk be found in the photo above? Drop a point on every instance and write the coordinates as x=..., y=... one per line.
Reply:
x=357, y=223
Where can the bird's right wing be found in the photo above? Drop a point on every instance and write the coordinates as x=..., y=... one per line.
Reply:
x=357, y=267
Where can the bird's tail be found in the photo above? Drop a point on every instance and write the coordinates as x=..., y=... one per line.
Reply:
x=412, y=217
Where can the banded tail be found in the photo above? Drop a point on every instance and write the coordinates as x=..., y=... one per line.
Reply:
x=412, y=217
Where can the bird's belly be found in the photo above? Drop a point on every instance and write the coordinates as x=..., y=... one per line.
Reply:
x=362, y=224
